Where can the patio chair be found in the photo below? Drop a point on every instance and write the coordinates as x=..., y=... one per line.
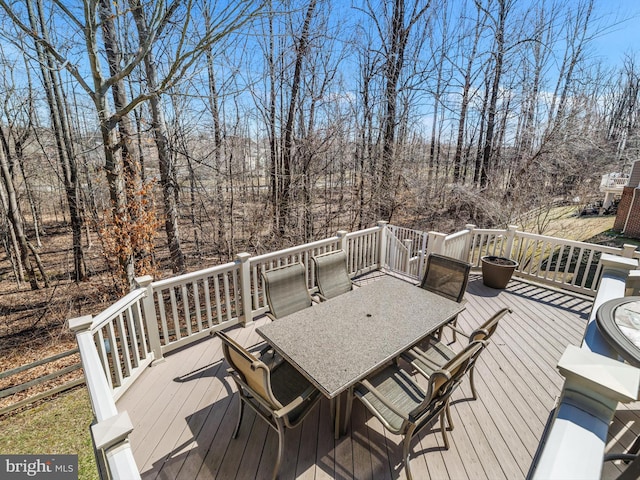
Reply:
x=404, y=408
x=632, y=461
x=448, y=277
x=286, y=290
x=279, y=394
x=332, y=276
x=429, y=358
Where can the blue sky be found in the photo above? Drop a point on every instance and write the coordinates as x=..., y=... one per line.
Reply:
x=622, y=34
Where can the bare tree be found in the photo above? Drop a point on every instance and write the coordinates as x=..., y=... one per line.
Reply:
x=121, y=167
x=395, y=37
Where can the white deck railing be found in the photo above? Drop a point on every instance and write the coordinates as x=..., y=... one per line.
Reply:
x=566, y=264
x=614, y=180
x=573, y=445
x=161, y=316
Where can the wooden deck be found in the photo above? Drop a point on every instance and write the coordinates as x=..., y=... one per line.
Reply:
x=184, y=409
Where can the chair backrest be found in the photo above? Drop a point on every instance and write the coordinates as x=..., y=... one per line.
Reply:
x=444, y=381
x=446, y=276
x=254, y=373
x=332, y=276
x=486, y=330
x=286, y=289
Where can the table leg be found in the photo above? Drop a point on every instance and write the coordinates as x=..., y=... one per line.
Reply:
x=336, y=425
x=341, y=424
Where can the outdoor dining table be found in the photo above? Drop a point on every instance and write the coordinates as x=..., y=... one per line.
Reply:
x=619, y=322
x=338, y=342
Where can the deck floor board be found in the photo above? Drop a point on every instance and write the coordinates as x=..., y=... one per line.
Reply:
x=184, y=409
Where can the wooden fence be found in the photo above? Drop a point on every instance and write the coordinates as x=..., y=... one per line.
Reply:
x=39, y=381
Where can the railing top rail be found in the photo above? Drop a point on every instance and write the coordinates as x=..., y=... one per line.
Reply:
x=114, y=309
x=360, y=233
x=564, y=241
x=293, y=250
x=489, y=230
x=187, y=277
x=455, y=235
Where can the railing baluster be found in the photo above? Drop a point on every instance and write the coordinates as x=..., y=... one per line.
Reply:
x=185, y=306
x=236, y=296
x=104, y=359
x=217, y=293
x=560, y=250
x=174, y=311
x=163, y=317
x=207, y=301
x=585, y=275
x=196, y=305
x=132, y=336
x=567, y=265
x=227, y=298
x=115, y=355
x=576, y=269
x=126, y=359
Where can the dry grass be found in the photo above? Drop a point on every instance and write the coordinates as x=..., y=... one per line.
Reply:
x=562, y=222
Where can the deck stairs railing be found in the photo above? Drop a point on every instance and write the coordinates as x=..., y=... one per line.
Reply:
x=160, y=316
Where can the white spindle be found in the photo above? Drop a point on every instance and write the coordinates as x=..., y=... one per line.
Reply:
x=163, y=317
x=207, y=301
x=115, y=355
x=126, y=354
x=196, y=304
x=185, y=306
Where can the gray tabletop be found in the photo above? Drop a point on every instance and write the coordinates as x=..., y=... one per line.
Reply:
x=338, y=342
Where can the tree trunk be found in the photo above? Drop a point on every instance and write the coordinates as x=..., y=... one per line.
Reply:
x=15, y=218
x=287, y=152
x=66, y=157
x=488, y=149
x=165, y=157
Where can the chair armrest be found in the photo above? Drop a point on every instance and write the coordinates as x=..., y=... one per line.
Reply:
x=457, y=330
x=366, y=384
x=296, y=402
x=416, y=354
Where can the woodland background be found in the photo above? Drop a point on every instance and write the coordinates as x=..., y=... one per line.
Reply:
x=161, y=136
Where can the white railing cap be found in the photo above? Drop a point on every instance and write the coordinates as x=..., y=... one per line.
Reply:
x=619, y=264
x=111, y=431
x=591, y=372
x=80, y=324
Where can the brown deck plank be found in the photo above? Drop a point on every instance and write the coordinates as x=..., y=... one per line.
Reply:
x=182, y=429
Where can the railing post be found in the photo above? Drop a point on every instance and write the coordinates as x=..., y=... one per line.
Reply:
x=342, y=240
x=632, y=284
x=150, y=318
x=436, y=242
x=628, y=250
x=382, y=247
x=467, y=246
x=511, y=235
x=111, y=428
x=245, y=288
x=423, y=252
